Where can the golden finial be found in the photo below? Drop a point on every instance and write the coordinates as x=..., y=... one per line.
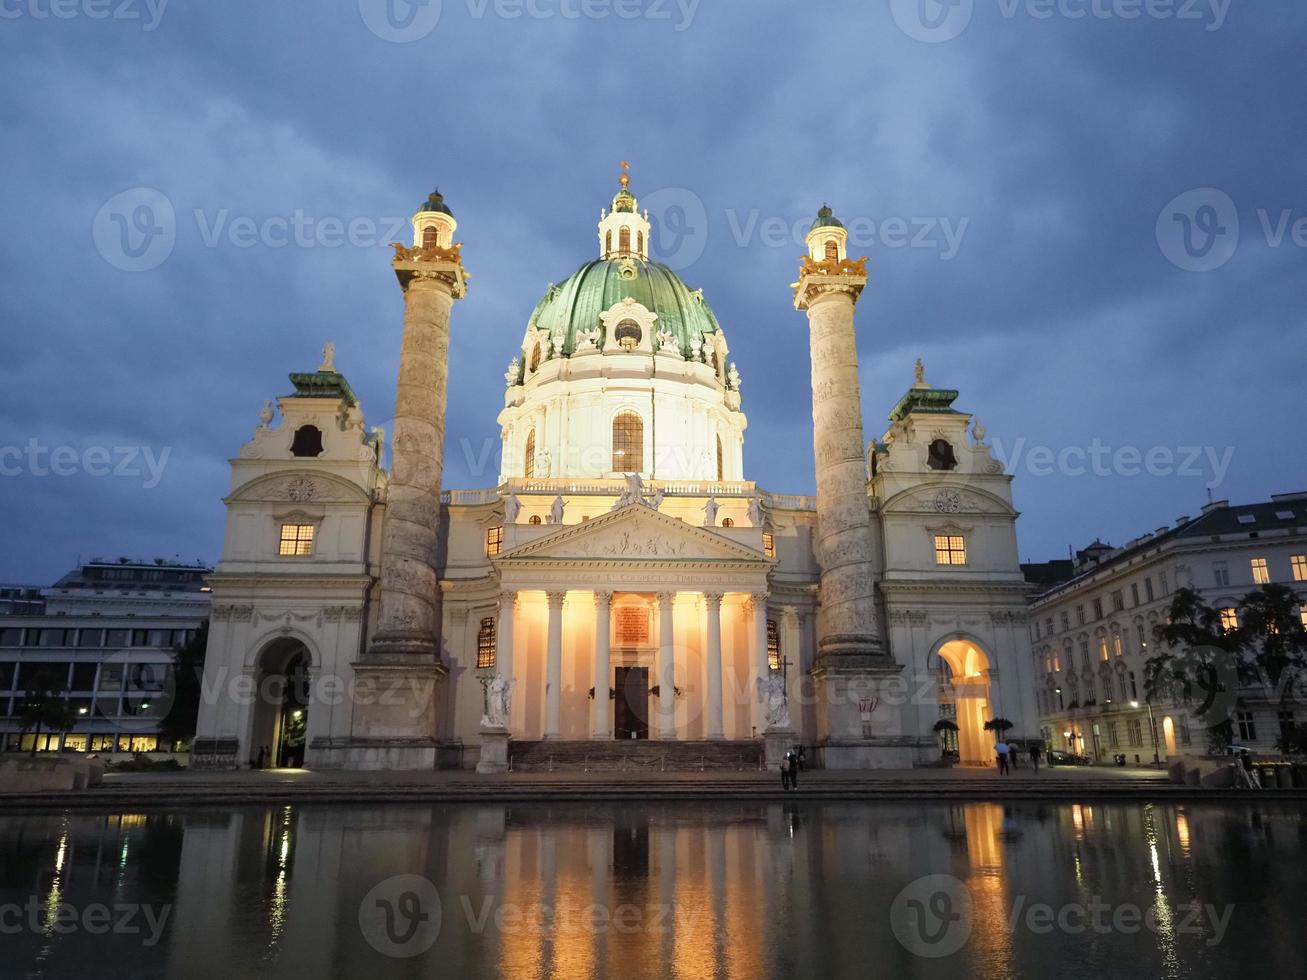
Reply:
x=921, y=372
x=625, y=179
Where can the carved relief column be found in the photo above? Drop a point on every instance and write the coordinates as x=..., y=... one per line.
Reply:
x=395, y=724
x=713, y=646
x=828, y=292
x=666, y=727
x=504, y=644
x=554, y=666
x=603, y=726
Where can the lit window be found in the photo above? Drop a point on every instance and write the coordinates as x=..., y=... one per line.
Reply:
x=1118, y=648
x=721, y=461
x=486, y=644
x=529, y=462
x=624, y=242
x=628, y=443
x=495, y=540
x=832, y=251
x=296, y=539
x=1299, y=564
x=535, y=359
x=773, y=645
x=429, y=237
x=950, y=549
x=1229, y=619
x=1260, y=573
x=1102, y=648
x=1302, y=615
x=627, y=335
x=768, y=544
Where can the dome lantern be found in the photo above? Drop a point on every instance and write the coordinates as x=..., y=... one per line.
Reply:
x=827, y=238
x=624, y=232
x=434, y=224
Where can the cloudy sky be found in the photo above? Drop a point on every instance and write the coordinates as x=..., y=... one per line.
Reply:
x=1089, y=218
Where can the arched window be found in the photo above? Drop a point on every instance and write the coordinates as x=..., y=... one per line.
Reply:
x=832, y=251
x=773, y=645
x=429, y=239
x=716, y=363
x=486, y=644
x=608, y=244
x=529, y=462
x=628, y=443
x=940, y=456
x=307, y=441
x=535, y=359
x=624, y=242
x=721, y=461
x=639, y=240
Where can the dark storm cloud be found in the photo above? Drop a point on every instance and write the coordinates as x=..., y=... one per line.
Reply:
x=1029, y=158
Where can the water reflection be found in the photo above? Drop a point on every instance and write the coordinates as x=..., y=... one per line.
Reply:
x=673, y=891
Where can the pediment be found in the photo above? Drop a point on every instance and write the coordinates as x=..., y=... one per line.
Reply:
x=635, y=533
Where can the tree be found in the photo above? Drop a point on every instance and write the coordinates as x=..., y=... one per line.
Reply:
x=44, y=706
x=999, y=725
x=941, y=728
x=1210, y=658
x=187, y=683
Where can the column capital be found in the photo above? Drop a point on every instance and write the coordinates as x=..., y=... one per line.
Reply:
x=666, y=598
x=603, y=597
x=508, y=599
x=713, y=599
x=555, y=599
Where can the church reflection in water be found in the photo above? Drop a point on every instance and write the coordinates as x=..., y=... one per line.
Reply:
x=658, y=890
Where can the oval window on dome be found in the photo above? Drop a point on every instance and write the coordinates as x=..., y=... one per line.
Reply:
x=628, y=335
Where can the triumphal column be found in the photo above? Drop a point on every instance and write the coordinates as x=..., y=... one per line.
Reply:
x=399, y=678
x=858, y=707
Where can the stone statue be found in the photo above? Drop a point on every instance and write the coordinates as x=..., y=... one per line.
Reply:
x=710, y=512
x=776, y=706
x=499, y=702
x=921, y=372
x=379, y=443
x=633, y=493
x=656, y=498
x=328, y=358
x=265, y=416
x=556, y=344
x=513, y=372
x=512, y=507
x=556, y=511
x=696, y=347
x=587, y=339
x=733, y=376
x=543, y=461
x=667, y=342
x=755, y=511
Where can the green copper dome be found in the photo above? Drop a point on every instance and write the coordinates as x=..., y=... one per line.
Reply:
x=435, y=202
x=596, y=287
x=826, y=219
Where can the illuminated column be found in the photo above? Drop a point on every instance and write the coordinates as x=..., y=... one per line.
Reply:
x=828, y=290
x=760, y=665
x=504, y=643
x=554, y=666
x=603, y=727
x=666, y=728
x=714, y=658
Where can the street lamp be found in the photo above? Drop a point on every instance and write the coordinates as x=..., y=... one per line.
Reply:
x=1151, y=728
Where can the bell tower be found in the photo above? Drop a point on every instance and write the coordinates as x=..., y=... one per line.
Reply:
x=624, y=231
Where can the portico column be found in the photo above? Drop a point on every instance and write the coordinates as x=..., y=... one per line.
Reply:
x=714, y=646
x=603, y=631
x=504, y=641
x=760, y=665
x=666, y=727
x=554, y=666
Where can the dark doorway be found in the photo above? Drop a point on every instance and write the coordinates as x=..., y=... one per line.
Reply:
x=631, y=707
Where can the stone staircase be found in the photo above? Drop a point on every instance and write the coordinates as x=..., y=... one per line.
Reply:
x=634, y=755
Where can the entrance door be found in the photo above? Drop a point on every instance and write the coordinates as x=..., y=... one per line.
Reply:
x=631, y=707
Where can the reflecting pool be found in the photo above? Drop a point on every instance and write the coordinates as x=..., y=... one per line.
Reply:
x=643, y=890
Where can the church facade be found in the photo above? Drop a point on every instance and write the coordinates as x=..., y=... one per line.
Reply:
x=624, y=581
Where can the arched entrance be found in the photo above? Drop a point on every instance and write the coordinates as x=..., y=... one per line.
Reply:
x=1168, y=735
x=281, y=710
x=964, y=691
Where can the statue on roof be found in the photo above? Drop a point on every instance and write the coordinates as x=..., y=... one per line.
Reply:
x=921, y=372
x=328, y=358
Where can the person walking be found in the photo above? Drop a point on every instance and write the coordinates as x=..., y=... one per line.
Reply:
x=794, y=769
x=1012, y=760
x=1034, y=755
x=1000, y=750
x=785, y=771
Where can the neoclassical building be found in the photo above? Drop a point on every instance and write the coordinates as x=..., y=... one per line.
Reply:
x=624, y=580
